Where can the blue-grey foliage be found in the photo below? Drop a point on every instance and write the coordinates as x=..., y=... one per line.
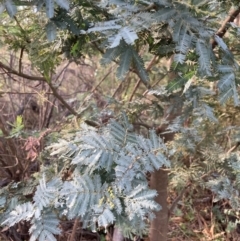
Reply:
x=108, y=184
x=121, y=31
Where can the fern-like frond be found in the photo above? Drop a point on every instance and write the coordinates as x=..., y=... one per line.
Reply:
x=46, y=192
x=139, y=65
x=45, y=227
x=140, y=198
x=204, y=58
x=183, y=45
x=97, y=152
x=165, y=14
x=104, y=216
x=113, y=53
x=144, y=155
x=104, y=26
x=226, y=80
x=125, y=33
x=124, y=63
x=205, y=111
x=225, y=68
x=22, y=212
x=10, y=7
x=81, y=194
x=121, y=134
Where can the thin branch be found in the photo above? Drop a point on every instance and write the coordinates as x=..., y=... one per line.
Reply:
x=42, y=79
x=23, y=93
x=116, y=90
x=59, y=97
x=22, y=30
x=233, y=148
x=179, y=197
x=63, y=70
x=224, y=27
x=74, y=229
x=152, y=62
x=148, y=127
x=95, y=87
x=20, y=60
x=25, y=76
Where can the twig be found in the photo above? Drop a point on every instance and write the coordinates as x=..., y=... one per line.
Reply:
x=179, y=197
x=224, y=27
x=59, y=97
x=25, y=76
x=38, y=78
x=74, y=230
x=63, y=70
x=233, y=148
x=22, y=30
x=148, y=127
x=20, y=60
x=152, y=62
x=100, y=82
x=23, y=93
x=116, y=90
x=10, y=142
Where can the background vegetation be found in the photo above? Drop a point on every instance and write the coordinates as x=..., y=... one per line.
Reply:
x=116, y=112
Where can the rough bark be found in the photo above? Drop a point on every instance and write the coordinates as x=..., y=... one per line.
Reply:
x=159, y=179
x=159, y=226
x=117, y=235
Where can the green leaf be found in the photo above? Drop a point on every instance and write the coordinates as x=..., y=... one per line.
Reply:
x=111, y=54
x=51, y=31
x=50, y=8
x=139, y=65
x=124, y=64
x=126, y=33
x=10, y=7
x=2, y=8
x=204, y=58
x=63, y=4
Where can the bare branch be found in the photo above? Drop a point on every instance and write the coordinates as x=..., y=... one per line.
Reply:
x=25, y=76
x=224, y=27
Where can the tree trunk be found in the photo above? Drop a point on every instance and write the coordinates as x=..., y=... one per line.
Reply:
x=117, y=235
x=159, y=226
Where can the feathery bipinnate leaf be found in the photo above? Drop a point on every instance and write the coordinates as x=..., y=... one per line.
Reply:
x=24, y=211
x=50, y=8
x=112, y=54
x=108, y=182
x=10, y=7
x=125, y=33
x=183, y=45
x=138, y=199
x=124, y=63
x=204, y=62
x=46, y=193
x=81, y=194
x=51, y=30
x=45, y=227
x=139, y=65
